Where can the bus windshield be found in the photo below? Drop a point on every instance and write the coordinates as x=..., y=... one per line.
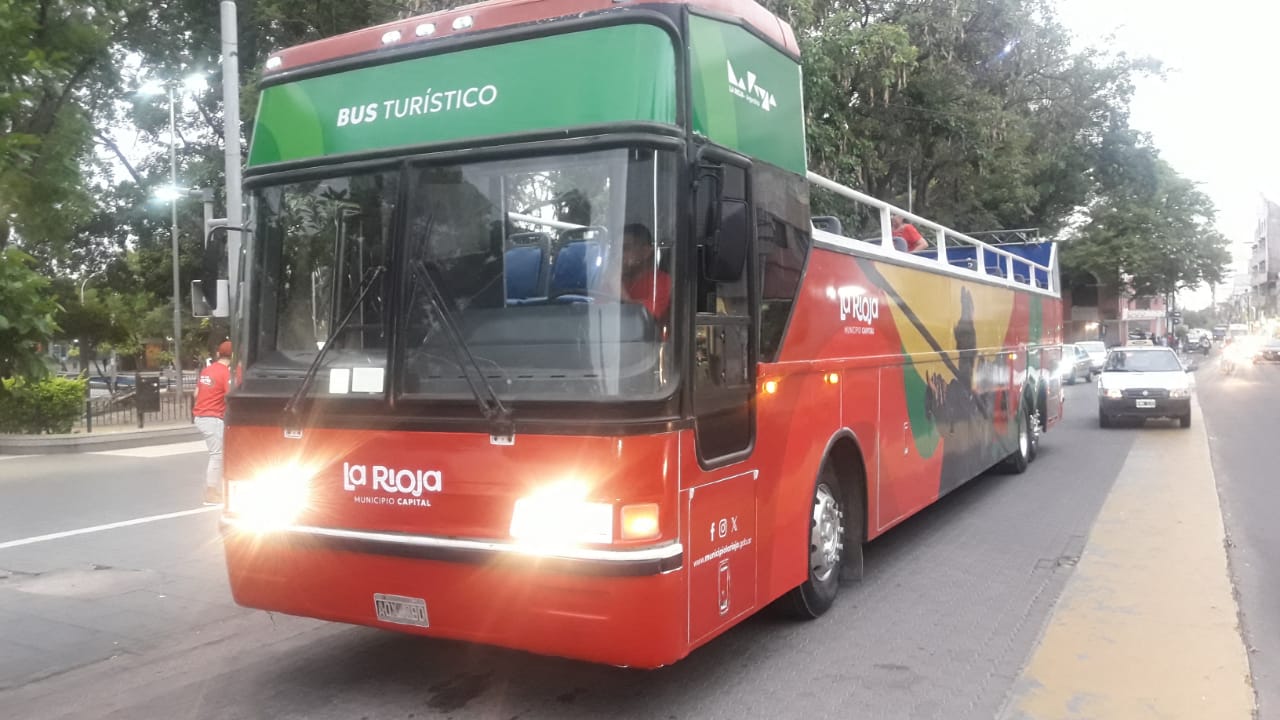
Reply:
x=555, y=271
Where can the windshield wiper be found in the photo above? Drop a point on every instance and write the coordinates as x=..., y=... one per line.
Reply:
x=501, y=426
x=291, y=407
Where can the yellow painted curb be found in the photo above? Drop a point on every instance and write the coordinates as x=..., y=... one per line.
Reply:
x=1147, y=626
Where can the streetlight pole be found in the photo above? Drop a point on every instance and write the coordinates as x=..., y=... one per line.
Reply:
x=173, y=211
x=85, y=281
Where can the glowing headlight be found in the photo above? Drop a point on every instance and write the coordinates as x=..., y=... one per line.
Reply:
x=273, y=499
x=559, y=514
x=1110, y=392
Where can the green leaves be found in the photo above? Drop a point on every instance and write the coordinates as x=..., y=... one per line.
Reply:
x=50, y=405
x=26, y=316
x=1149, y=230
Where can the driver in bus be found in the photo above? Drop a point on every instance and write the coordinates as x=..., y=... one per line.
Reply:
x=642, y=281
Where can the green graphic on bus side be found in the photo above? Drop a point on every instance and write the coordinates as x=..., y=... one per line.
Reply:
x=746, y=95
x=614, y=74
x=923, y=430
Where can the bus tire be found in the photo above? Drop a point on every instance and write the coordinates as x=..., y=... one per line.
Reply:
x=828, y=538
x=1021, y=456
x=1037, y=425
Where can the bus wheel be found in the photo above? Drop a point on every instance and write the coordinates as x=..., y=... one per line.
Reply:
x=826, y=550
x=1034, y=424
x=1018, y=460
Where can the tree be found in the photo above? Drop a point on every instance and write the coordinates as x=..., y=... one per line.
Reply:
x=1149, y=230
x=57, y=64
x=26, y=317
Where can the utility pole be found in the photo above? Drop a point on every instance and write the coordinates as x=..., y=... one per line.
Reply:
x=231, y=137
x=173, y=211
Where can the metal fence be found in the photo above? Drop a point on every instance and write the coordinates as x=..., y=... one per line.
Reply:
x=139, y=404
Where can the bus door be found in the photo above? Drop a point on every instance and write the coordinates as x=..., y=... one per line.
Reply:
x=724, y=352
x=721, y=492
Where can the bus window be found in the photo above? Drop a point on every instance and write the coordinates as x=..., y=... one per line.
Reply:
x=320, y=240
x=782, y=206
x=723, y=381
x=530, y=258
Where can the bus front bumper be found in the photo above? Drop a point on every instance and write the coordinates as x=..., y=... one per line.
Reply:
x=618, y=607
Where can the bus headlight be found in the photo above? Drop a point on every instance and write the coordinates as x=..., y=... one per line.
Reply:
x=274, y=499
x=560, y=514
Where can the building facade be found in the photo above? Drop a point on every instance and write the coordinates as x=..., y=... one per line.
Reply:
x=1264, y=264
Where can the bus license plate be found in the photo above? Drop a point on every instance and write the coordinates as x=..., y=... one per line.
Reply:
x=401, y=610
x=1146, y=403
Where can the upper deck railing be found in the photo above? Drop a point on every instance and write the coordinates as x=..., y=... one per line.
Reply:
x=990, y=262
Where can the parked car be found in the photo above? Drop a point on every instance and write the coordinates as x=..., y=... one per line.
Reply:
x=1268, y=352
x=1144, y=382
x=1097, y=353
x=1076, y=365
x=122, y=382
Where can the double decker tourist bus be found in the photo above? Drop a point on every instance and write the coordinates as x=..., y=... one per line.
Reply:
x=541, y=347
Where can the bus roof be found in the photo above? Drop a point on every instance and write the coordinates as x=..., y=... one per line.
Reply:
x=496, y=14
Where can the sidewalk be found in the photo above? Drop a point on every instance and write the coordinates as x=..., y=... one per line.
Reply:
x=112, y=437
x=1147, y=627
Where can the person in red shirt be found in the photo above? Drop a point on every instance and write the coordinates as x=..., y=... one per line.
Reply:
x=910, y=235
x=642, y=281
x=210, y=406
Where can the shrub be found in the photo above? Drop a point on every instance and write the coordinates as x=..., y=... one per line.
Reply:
x=41, y=406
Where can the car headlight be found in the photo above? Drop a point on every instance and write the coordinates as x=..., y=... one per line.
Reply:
x=273, y=499
x=560, y=514
x=1110, y=392
x=1180, y=392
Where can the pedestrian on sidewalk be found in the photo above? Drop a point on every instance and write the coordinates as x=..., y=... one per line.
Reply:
x=210, y=406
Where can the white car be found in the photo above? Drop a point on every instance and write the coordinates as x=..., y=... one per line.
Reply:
x=1097, y=353
x=1144, y=382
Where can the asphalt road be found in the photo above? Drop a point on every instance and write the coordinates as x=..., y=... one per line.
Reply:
x=136, y=621
x=1242, y=415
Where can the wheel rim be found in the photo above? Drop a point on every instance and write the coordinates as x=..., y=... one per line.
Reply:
x=826, y=541
x=1035, y=426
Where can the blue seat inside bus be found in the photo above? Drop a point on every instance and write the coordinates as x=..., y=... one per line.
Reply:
x=524, y=272
x=576, y=270
x=967, y=257
x=525, y=266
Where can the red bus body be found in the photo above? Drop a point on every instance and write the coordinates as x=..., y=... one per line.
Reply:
x=908, y=373
x=833, y=386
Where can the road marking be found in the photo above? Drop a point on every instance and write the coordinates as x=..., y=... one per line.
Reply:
x=1147, y=626
x=16, y=457
x=109, y=526
x=155, y=451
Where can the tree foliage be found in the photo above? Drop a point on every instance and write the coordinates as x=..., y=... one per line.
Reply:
x=978, y=113
x=26, y=316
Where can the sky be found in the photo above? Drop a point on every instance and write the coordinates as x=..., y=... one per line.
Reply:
x=1215, y=117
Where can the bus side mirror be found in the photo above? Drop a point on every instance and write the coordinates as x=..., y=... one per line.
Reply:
x=200, y=306
x=706, y=200
x=210, y=296
x=726, y=255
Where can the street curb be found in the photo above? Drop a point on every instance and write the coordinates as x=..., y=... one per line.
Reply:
x=77, y=443
x=1148, y=625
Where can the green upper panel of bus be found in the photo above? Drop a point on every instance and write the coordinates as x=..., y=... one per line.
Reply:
x=612, y=74
x=746, y=95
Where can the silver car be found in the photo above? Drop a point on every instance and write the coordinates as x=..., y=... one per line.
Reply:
x=1097, y=353
x=1076, y=365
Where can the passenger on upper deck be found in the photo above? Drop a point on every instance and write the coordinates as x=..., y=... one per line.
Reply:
x=911, y=239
